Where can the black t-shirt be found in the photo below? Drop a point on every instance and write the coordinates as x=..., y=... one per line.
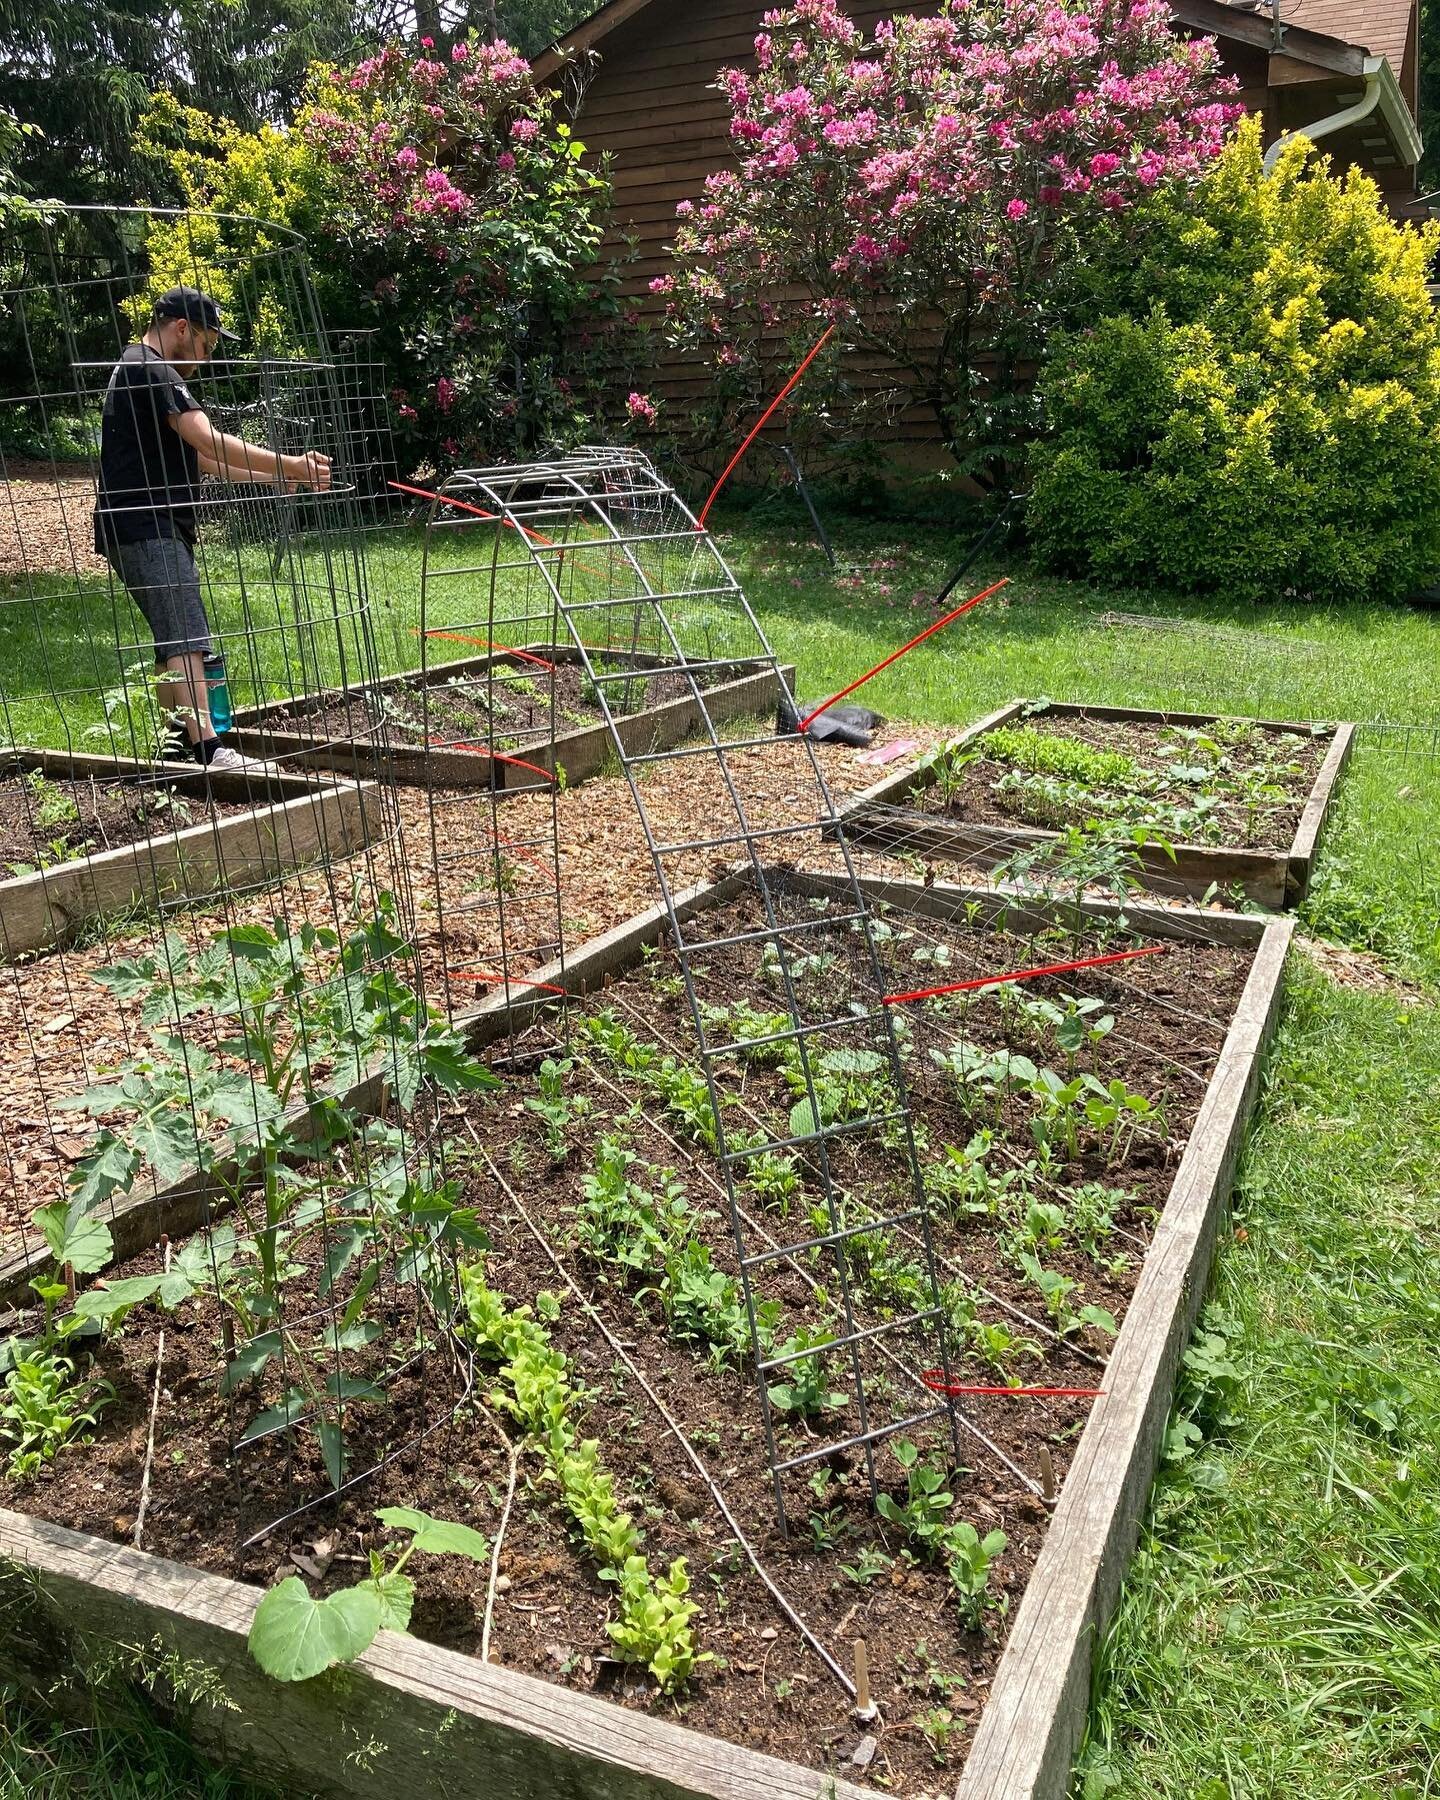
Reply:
x=149, y=475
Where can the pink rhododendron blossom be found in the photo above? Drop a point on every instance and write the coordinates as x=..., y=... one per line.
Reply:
x=1016, y=209
x=524, y=131
x=406, y=159
x=505, y=161
x=444, y=393
x=640, y=410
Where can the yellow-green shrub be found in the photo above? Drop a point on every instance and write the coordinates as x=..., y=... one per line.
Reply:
x=1259, y=413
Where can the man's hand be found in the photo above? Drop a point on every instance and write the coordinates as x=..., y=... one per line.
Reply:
x=309, y=470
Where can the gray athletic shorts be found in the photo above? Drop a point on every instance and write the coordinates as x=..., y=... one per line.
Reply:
x=160, y=576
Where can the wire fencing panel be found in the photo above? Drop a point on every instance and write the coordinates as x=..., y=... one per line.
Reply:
x=212, y=1007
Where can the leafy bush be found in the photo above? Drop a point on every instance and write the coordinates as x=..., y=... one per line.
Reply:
x=1260, y=414
x=446, y=209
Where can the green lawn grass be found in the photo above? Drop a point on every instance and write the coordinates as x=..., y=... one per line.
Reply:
x=1280, y=1629
x=1040, y=635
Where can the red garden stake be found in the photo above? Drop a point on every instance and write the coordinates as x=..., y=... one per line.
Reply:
x=895, y=655
x=981, y=981
x=759, y=424
x=460, y=637
x=486, y=979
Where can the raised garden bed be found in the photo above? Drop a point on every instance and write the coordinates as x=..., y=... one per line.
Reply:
x=1240, y=802
x=993, y=1682
x=430, y=727
x=86, y=837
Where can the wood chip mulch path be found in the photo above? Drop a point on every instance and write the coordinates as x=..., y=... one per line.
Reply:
x=45, y=520
x=60, y=1030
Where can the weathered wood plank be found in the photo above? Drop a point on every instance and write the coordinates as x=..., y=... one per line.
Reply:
x=1013, y=909
x=1032, y=1722
x=324, y=817
x=406, y=1719
x=583, y=753
x=1312, y=820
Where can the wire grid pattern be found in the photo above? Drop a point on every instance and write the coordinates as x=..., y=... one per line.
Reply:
x=249, y=965
x=594, y=553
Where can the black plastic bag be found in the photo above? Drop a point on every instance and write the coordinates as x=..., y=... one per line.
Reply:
x=854, y=725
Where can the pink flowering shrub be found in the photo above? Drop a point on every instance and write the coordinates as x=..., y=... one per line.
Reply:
x=925, y=190
x=446, y=210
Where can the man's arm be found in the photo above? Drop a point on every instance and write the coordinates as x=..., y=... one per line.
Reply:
x=220, y=453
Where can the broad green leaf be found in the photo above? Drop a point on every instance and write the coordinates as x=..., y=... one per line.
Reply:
x=450, y=1066
x=102, y=1098
x=362, y=1293
x=212, y=1253
x=168, y=1142
x=109, y=1169
x=249, y=1360
x=87, y=1246
x=464, y=1228
x=250, y=941
x=175, y=1289
x=404, y=1069
x=240, y=1101
x=351, y=1387
x=342, y=1252
x=396, y=1594
x=128, y=978
x=852, y=1062
x=439, y=1536
x=274, y=1417
x=295, y=1636
x=332, y=1448
x=802, y=1119
x=117, y=1296
x=358, y=1336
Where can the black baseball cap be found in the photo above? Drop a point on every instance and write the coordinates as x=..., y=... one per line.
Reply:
x=189, y=303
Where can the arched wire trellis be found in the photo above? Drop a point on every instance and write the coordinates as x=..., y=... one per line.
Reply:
x=211, y=1003
x=592, y=563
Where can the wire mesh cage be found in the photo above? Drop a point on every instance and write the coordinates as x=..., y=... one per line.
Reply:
x=215, y=1033
x=585, y=582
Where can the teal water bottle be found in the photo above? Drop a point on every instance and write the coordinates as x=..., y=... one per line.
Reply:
x=217, y=693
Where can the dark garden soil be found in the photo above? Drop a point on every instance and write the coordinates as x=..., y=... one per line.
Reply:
x=1279, y=768
x=45, y=822
x=463, y=711
x=765, y=1689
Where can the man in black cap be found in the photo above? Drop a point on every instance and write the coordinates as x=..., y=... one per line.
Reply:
x=155, y=444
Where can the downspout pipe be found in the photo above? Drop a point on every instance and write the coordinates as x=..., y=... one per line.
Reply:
x=1374, y=69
